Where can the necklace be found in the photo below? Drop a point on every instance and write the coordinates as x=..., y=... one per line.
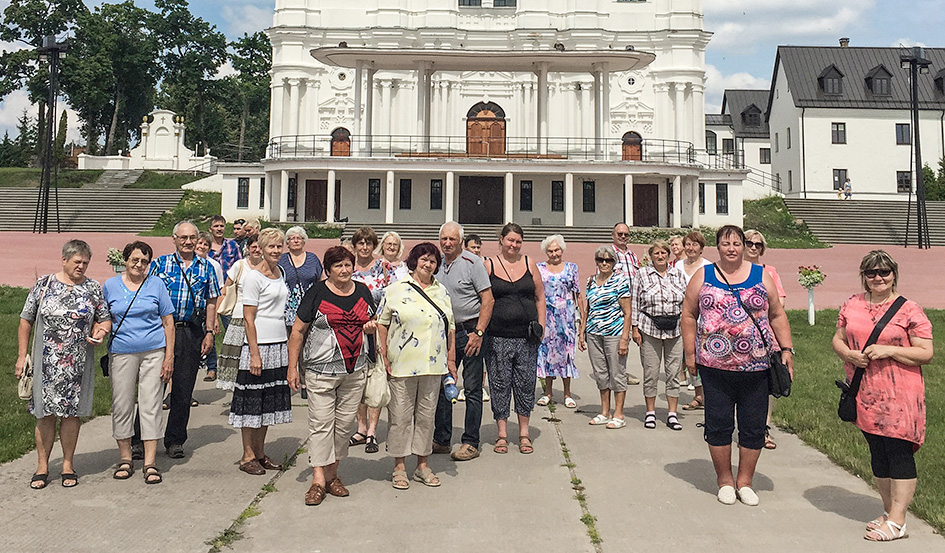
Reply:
x=875, y=309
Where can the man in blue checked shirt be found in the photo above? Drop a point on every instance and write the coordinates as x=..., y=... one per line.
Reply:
x=193, y=287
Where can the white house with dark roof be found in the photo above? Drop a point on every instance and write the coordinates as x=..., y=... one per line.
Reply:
x=738, y=137
x=844, y=112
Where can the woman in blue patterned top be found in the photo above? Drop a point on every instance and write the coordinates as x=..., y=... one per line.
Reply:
x=605, y=325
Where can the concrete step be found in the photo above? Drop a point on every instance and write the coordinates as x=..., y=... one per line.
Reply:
x=533, y=233
x=867, y=221
x=95, y=210
x=115, y=179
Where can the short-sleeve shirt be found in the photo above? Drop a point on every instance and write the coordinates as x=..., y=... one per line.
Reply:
x=891, y=400
x=189, y=288
x=299, y=280
x=237, y=274
x=416, y=338
x=627, y=263
x=464, y=279
x=268, y=295
x=218, y=272
x=375, y=278
x=228, y=255
x=335, y=343
x=656, y=294
x=681, y=265
x=142, y=329
x=604, y=314
x=777, y=280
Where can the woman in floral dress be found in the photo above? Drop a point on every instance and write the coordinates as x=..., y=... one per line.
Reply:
x=67, y=315
x=556, y=352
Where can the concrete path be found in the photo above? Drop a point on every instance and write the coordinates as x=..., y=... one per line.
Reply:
x=649, y=490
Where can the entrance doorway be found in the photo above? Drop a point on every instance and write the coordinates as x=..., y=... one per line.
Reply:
x=316, y=200
x=632, y=147
x=481, y=200
x=485, y=130
x=340, y=142
x=646, y=205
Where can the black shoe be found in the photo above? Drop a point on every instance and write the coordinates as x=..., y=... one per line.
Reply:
x=137, y=452
x=175, y=451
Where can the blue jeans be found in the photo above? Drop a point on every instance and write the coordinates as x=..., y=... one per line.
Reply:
x=472, y=388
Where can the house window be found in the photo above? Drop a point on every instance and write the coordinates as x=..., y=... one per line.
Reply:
x=589, y=196
x=702, y=197
x=504, y=3
x=764, y=156
x=790, y=180
x=262, y=193
x=557, y=195
x=832, y=85
x=242, y=193
x=838, y=133
x=753, y=119
x=436, y=194
x=777, y=143
x=788, y=137
x=903, y=182
x=374, y=194
x=525, y=195
x=406, y=190
x=711, y=143
x=669, y=196
x=839, y=177
x=470, y=3
x=881, y=86
x=728, y=146
x=721, y=198
x=290, y=200
x=903, y=134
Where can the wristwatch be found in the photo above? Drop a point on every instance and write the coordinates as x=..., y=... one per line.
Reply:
x=479, y=332
x=790, y=350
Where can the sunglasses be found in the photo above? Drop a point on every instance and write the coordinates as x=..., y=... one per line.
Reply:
x=750, y=244
x=603, y=260
x=871, y=273
x=622, y=234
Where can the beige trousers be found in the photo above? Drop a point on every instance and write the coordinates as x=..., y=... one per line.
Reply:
x=332, y=410
x=142, y=371
x=412, y=410
x=653, y=353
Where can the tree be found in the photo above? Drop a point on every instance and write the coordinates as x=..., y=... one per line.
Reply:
x=26, y=138
x=60, y=148
x=252, y=59
x=934, y=184
x=8, y=151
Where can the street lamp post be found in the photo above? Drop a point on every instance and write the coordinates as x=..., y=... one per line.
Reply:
x=917, y=63
x=52, y=51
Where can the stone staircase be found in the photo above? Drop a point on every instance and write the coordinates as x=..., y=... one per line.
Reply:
x=419, y=231
x=866, y=221
x=115, y=179
x=84, y=210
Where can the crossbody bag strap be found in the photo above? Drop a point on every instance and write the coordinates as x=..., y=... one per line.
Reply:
x=874, y=336
x=446, y=322
x=738, y=298
x=183, y=273
x=117, y=328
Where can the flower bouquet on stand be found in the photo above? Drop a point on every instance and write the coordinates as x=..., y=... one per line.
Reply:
x=115, y=259
x=810, y=278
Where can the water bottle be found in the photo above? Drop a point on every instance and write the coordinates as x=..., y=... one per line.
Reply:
x=449, y=387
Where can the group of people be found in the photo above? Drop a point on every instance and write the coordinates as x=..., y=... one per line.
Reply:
x=325, y=327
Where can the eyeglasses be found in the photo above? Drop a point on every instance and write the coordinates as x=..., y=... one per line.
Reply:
x=137, y=261
x=871, y=273
x=622, y=234
x=603, y=260
x=750, y=244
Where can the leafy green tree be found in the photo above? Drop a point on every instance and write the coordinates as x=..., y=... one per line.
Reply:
x=252, y=59
x=934, y=183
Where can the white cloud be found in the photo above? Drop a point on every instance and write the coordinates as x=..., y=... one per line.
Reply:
x=11, y=109
x=907, y=43
x=225, y=70
x=247, y=18
x=716, y=84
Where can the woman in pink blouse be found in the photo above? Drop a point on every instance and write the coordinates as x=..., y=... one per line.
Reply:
x=891, y=400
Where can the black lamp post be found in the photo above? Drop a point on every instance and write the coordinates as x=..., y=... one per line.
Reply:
x=917, y=63
x=51, y=51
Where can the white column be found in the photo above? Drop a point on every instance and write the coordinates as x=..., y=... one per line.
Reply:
x=598, y=131
x=664, y=112
x=605, y=107
x=304, y=91
x=694, y=181
x=698, y=109
x=628, y=200
x=356, y=134
x=277, y=99
x=267, y=196
x=330, y=215
x=542, y=127
x=389, y=198
x=423, y=104
x=427, y=106
x=369, y=111
x=300, y=190
x=284, y=196
x=509, y=198
x=293, y=107
x=569, y=199
x=677, y=201
x=448, y=200
x=678, y=112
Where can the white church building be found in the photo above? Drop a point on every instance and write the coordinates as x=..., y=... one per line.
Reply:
x=543, y=112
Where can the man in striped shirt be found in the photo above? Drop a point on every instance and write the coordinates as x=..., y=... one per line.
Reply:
x=627, y=262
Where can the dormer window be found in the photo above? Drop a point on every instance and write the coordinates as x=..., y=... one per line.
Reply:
x=751, y=116
x=831, y=80
x=940, y=81
x=878, y=81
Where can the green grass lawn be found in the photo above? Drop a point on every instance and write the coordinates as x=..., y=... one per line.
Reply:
x=811, y=410
x=29, y=177
x=770, y=217
x=164, y=181
x=198, y=207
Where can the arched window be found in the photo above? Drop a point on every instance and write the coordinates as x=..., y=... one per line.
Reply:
x=340, y=142
x=632, y=146
x=485, y=130
x=711, y=143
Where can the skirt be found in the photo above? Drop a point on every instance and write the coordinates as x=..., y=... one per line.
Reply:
x=266, y=399
x=228, y=358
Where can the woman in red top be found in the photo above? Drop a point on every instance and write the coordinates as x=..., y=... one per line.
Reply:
x=891, y=400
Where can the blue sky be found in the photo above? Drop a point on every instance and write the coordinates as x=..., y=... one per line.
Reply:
x=740, y=55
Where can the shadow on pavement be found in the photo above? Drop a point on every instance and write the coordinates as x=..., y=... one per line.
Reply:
x=701, y=474
x=851, y=505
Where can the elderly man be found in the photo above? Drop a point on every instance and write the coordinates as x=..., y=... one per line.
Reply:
x=627, y=264
x=193, y=288
x=226, y=252
x=467, y=282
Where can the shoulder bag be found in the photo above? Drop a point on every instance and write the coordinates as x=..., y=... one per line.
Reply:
x=229, y=297
x=779, y=377
x=198, y=318
x=24, y=387
x=535, y=332
x=104, y=360
x=846, y=410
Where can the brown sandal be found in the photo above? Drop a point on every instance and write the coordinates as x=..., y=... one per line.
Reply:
x=525, y=445
x=337, y=489
x=501, y=445
x=124, y=469
x=152, y=474
x=695, y=405
x=315, y=495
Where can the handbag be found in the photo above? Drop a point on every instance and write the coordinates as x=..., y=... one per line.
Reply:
x=24, y=387
x=779, y=376
x=535, y=332
x=846, y=409
x=229, y=297
x=664, y=322
x=104, y=361
x=376, y=390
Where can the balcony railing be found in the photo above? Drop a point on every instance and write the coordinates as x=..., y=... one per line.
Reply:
x=404, y=146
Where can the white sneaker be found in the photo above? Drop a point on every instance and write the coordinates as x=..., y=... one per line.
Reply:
x=747, y=496
x=485, y=395
x=727, y=495
x=461, y=396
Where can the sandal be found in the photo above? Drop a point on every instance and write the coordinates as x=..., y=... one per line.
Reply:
x=123, y=470
x=672, y=421
x=399, y=480
x=357, y=439
x=426, y=477
x=69, y=477
x=649, y=421
x=152, y=474
x=315, y=495
x=895, y=532
x=43, y=478
x=599, y=420
x=570, y=403
x=877, y=522
x=543, y=401
x=696, y=405
x=501, y=445
x=371, y=445
x=525, y=445
x=616, y=424
x=770, y=444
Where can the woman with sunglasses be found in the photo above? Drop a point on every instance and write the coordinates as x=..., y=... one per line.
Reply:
x=891, y=399
x=605, y=325
x=755, y=246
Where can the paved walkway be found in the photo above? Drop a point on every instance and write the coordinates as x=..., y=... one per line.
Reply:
x=649, y=490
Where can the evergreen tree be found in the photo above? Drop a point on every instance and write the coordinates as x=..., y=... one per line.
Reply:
x=60, y=147
x=7, y=151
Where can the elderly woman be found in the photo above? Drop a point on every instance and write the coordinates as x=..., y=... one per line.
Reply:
x=511, y=358
x=755, y=246
x=416, y=335
x=390, y=250
x=67, y=314
x=334, y=315
x=229, y=362
x=890, y=403
x=562, y=294
x=729, y=328
x=372, y=271
x=302, y=270
x=141, y=357
x=656, y=303
x=261, y=397
x=693, y=246
x=676, y=248
x=605, y=326
x=250, y=229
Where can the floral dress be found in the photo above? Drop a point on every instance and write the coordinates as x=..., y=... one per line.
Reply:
x=376, y=278
x=66, y=382
x=556, y=352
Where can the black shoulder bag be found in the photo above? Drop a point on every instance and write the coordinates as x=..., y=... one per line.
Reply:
x=104, y=360
x=446, y=321
x=847, y=408
x=535, y=332
x=779, y=377
x=198, y=318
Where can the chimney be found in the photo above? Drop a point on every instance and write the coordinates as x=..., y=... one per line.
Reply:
x=844, y=42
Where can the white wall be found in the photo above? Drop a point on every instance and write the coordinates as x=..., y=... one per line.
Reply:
x=786, y=161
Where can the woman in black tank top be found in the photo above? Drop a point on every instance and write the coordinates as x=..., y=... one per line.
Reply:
x=510, y=360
